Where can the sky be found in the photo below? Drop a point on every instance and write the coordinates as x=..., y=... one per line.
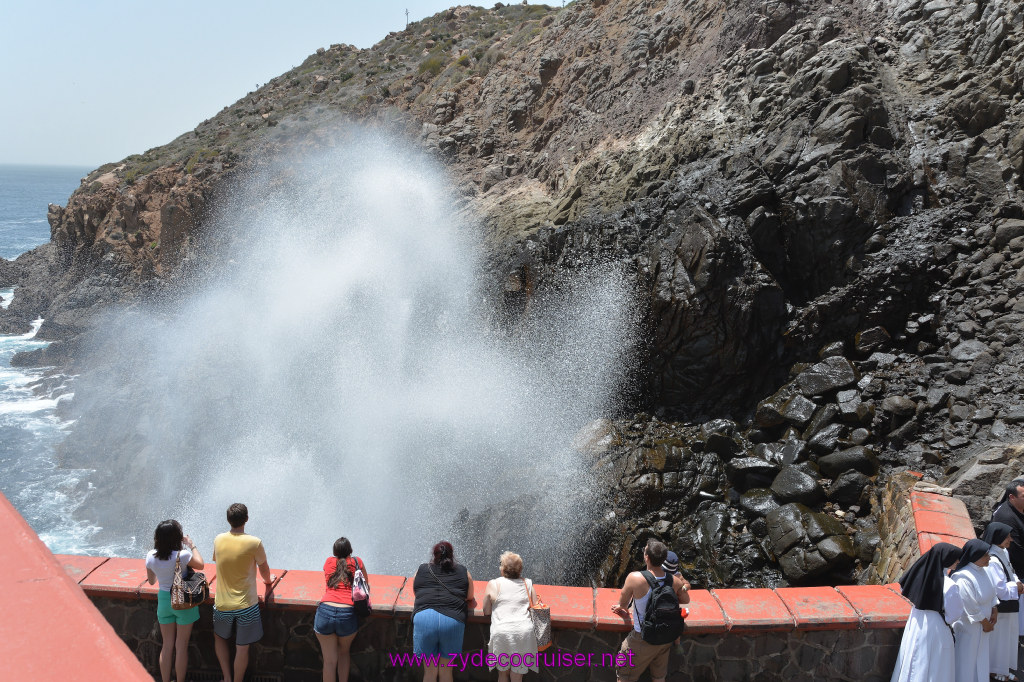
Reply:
x=83, y=83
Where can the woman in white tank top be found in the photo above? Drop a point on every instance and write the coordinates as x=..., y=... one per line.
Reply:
x=512, y=640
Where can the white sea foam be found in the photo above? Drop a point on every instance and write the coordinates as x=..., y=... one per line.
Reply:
x=45, y=494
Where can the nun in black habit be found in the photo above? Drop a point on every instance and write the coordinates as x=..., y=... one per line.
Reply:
x=926, y=651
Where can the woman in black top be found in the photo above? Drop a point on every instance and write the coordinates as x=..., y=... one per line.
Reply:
x=443, y=590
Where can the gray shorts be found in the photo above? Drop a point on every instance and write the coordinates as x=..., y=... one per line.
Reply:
x=250, y=627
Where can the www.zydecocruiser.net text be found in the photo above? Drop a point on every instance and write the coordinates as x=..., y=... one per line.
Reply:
x=542, y=659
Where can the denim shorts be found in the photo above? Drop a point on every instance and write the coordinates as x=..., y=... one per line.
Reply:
x=335, y=620
x=435, y=633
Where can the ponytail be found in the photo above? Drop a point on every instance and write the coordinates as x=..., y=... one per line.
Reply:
x=342, y=551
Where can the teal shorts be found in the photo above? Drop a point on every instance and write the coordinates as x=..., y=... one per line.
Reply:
x=165, y=615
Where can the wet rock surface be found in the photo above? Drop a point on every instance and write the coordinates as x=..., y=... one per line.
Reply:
x=820, y=207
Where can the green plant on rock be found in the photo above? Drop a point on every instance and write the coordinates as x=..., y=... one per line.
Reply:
x=201, y=154
x=432, y=65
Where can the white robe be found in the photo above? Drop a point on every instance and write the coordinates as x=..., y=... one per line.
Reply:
x=926, y=650
x=1002, y=642
x=979, y=596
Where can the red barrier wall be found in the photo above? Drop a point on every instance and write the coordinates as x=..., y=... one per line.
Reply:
x=711, y=611
x=50, y=630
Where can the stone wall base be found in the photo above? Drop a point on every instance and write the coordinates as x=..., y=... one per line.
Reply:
x=290, y=652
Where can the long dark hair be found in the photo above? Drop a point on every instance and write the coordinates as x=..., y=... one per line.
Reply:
x=443, y=556
x=167, y=538
x=342, y=550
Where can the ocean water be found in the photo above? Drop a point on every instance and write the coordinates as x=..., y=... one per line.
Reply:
x=30, y=429
x=25, y=192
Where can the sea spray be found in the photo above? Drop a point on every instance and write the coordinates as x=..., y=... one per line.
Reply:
x=336, y=364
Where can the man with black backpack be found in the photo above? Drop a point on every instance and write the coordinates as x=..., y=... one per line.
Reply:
x=656, y=614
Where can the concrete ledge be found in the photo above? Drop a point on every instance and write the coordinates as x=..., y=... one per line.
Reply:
x=754, y=609
x=604, y=619
x=819, y=608
x=572, y=608
x=939, y=518
x=921, y=501
x=941, y=523
x=50, y=629
x=878, y=606
x=706, y=614
x=78, y=567
x=116, y=578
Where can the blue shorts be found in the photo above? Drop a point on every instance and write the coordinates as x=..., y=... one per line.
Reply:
x=335, y=620
x=435, y=633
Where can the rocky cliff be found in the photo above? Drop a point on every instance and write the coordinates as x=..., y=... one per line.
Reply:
x=821, y=204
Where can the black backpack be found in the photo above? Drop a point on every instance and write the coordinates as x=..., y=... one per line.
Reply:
x=663, y=623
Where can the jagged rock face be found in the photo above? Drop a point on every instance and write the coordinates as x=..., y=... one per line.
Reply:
x=820, y=205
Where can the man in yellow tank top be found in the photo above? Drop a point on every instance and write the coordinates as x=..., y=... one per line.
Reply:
x=238, y=557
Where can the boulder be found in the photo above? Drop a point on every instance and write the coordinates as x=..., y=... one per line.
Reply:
x=826, y=440
x=770, y=411
x=899, y=405
x=828, y=375
x=865, y=542
x=1006, y=231
x=799, y=410
x=822, y=418
x=860, y=436
x=859, y=458
x=878, y=360
x=799, y=564
x=808, y=544
x=597, y=437
x=871, y=339
x=848, y=402
x=751, y=472
x=837, y=550
x=770, y=452
x=820, y=525
x=719, y=436
x=758, y=502
x=794, y=451
x=968, y=350
x=936, y=397
x=848, y=488
x=786, y=527
x=793, y=484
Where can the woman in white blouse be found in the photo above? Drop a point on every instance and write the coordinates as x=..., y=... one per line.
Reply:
x=1002, y=643
x=972, y=629
x=172, y=547
x=926, y=651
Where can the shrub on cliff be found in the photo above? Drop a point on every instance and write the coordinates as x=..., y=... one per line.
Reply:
x=432, y=65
